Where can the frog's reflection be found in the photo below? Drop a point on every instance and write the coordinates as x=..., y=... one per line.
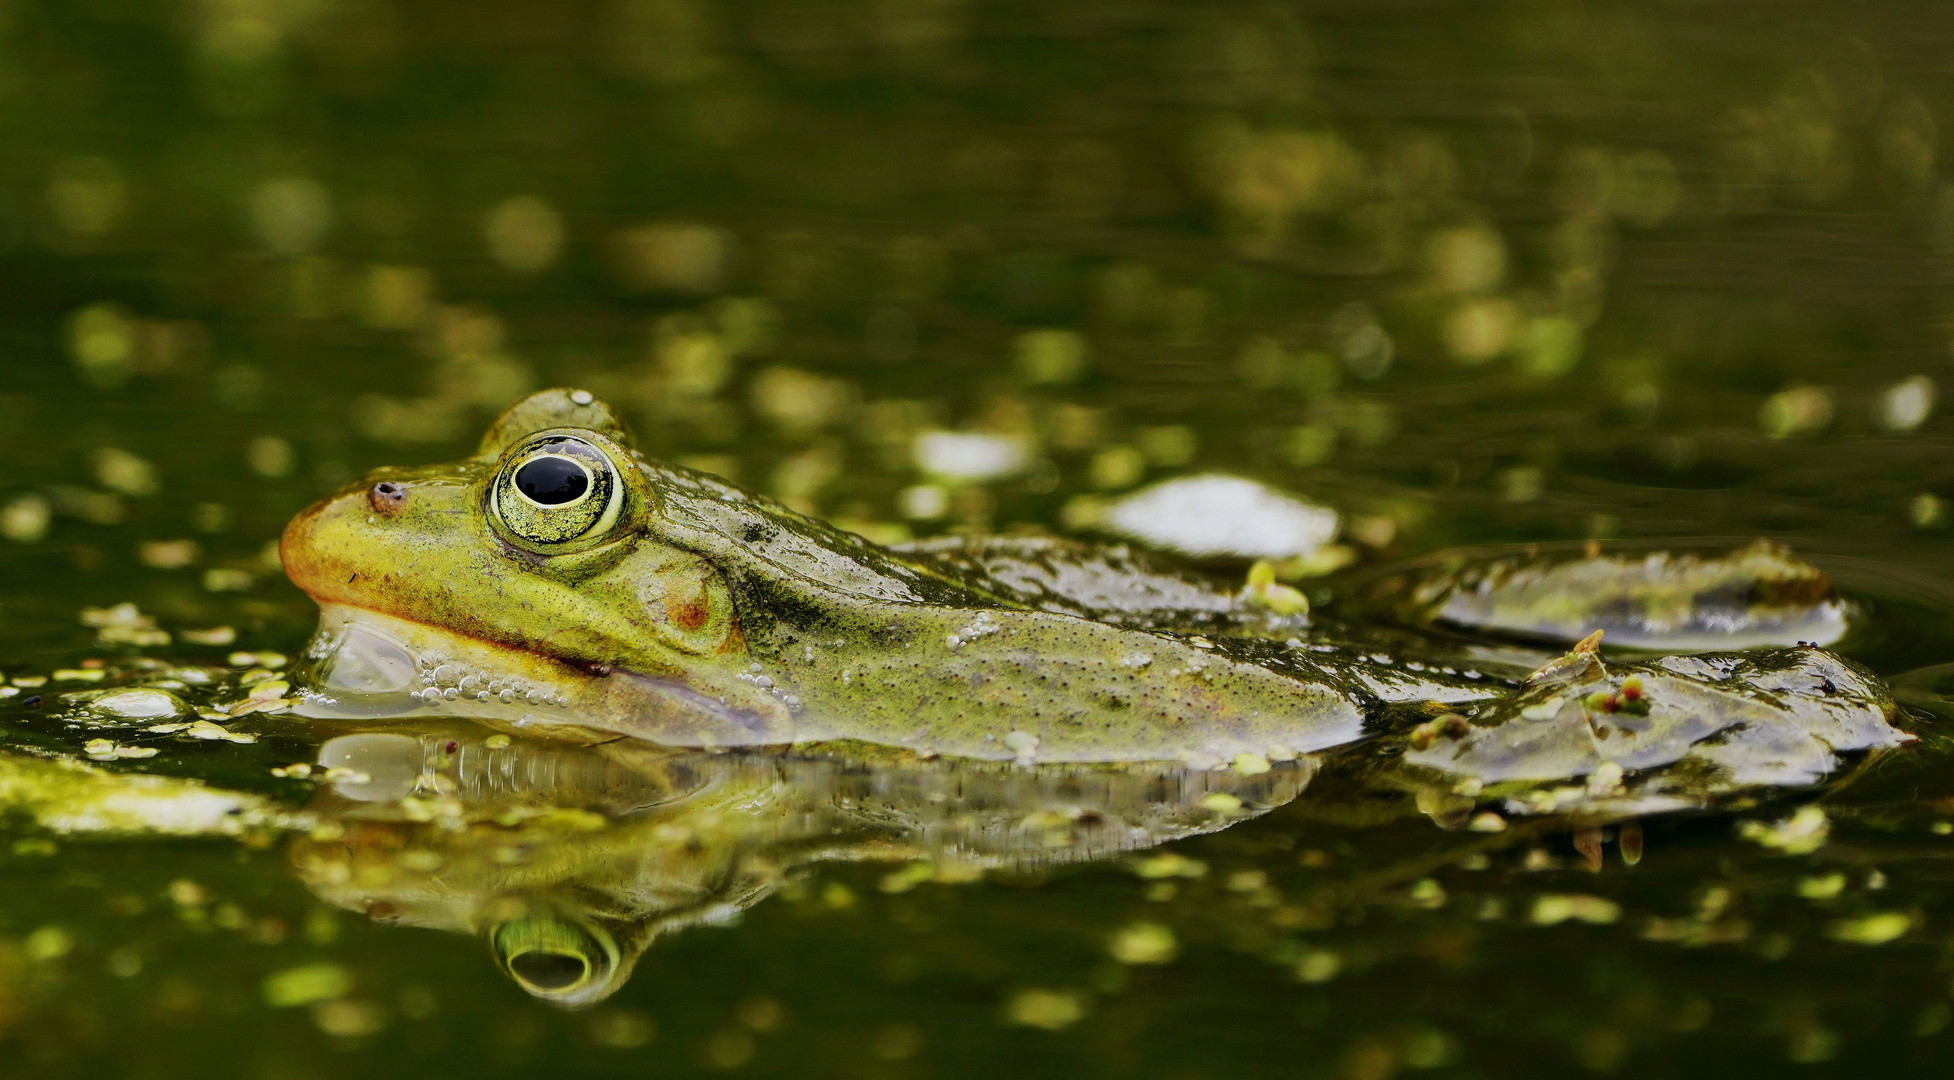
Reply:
x=569, y=861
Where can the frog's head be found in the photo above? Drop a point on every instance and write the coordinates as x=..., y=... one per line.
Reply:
x=517, y=581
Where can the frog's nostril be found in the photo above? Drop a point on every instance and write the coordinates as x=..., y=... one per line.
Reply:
x=386, y=497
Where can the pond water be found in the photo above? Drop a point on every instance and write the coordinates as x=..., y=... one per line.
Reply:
x=1469, y=274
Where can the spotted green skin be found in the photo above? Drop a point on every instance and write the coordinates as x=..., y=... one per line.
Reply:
x=708, y=616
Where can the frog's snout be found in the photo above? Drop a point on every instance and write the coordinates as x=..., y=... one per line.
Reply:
x=386, y=498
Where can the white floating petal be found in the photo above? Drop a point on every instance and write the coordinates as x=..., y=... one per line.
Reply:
x=1223, y=515
x=969, y=455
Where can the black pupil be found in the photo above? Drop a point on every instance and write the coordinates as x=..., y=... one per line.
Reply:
x=552, y=481
x=550, y=970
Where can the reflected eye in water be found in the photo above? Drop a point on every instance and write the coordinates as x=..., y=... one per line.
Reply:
x=558, y=959
x=556, y=489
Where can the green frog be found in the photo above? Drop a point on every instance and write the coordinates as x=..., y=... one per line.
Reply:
x=558, y=583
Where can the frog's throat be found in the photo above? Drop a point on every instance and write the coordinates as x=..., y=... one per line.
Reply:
x=362, y=664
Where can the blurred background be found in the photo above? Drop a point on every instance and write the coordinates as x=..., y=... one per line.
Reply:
x=1506, y=270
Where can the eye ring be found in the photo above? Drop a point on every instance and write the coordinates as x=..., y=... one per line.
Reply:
x=556, y=489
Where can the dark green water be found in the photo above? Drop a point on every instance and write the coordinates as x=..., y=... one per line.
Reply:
x=1470, y=273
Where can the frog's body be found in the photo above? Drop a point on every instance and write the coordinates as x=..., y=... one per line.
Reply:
x=708, y=617
x=559, y=583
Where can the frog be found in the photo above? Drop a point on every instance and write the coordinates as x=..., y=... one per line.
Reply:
x=558, y=580
x=559, y=583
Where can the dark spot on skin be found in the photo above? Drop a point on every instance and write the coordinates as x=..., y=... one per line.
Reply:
x=756, y=532
x=451, y=746
x=386, y=498
x=354, y=578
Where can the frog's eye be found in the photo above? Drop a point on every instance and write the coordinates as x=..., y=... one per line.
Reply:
x=557, y=489
x=556, y=958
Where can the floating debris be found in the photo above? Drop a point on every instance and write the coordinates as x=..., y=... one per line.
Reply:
x=1143, y=943
x=306, y=985
x=1247, y=764
x=1169, y=864
x=1800, y=834
x=107, y=750
x=970, y=456
x=1050, y=1010
x=1906, y=404
x=204, y=729
x=1264, y=592
x=1550, y=909
x=25, y=519
x=1318, y=966
x=139, y=703
x=123, y=624
x=1822, y=886
x=80, y=675
x=265, y=697
x=75, y=797
x=1875, y=929
x=48, y=943
x=1795, y=413
x=168, y=554
x=1218, y=515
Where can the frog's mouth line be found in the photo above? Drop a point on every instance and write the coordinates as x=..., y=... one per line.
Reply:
x=366, y=664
